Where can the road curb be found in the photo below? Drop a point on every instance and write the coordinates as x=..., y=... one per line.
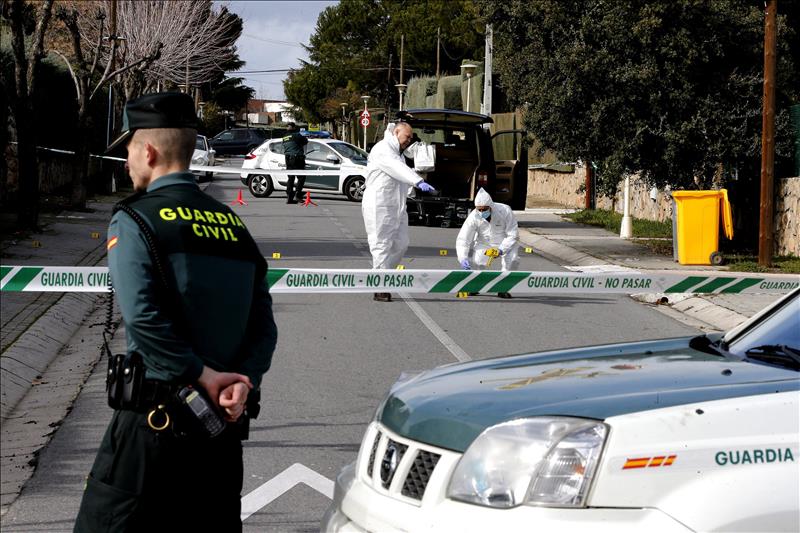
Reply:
x=695, y=307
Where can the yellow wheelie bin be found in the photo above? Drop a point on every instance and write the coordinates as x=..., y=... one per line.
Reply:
x=695, y=226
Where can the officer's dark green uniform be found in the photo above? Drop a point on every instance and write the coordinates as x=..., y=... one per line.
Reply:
x=216, y=312
x=295, y=159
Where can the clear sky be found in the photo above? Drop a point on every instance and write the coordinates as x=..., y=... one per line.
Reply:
x=271, y=39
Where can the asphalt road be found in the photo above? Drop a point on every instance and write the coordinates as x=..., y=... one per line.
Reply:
x=337, y=355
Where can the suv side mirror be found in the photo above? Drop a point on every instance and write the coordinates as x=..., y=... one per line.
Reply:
x=332, y=158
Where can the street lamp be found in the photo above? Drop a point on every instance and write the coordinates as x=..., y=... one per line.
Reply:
x=401, y=88
x=366, y=99
x=344, y=120
x=469, y=70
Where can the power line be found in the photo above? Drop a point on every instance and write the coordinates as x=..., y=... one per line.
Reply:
x=274, y=41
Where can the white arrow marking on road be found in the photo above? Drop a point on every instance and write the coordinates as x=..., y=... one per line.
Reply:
x=283, y=482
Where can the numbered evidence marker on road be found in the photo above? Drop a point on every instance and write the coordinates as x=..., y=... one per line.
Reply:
x=462, y=295
x=276, y=255
x=36, y=244
x=442, y=252
x=401, y=267
x=528, y=250
x=95, y=235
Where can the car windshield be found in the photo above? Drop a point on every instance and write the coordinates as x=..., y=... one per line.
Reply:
x=200, y=144
x=780, y=329
x=350, y=152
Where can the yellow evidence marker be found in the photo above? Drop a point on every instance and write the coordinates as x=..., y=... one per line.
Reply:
x=276, y=255
x=36, y=244
x=528, y=250
x=462, y=295
x=95, y=235
x=492, y=253
x=442, y=252
x=401, y=267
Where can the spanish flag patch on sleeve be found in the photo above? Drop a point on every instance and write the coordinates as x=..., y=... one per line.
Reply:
x=112, y=242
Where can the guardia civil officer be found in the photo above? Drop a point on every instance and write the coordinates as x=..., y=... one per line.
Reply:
x=190, y=282
x=295, y=159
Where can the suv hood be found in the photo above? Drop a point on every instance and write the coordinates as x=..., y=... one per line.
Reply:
x=450, y=406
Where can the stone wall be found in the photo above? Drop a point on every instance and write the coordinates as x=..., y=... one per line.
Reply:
x=567, y=189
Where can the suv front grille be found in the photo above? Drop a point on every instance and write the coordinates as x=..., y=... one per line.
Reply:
x=419, y=474
x=389, y=458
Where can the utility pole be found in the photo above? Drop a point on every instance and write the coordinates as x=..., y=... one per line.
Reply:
x=765, y=231
x=438, y=50
x=402, y=44
x=486, y=104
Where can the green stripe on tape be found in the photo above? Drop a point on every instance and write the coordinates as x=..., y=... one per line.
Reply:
x=509, y=282
x=275, y=274
x=713, y=285
x=742, y=285
x=21, y=280
x=689, y=282
x=4, y=271
x=480, y=281
x=450, y=281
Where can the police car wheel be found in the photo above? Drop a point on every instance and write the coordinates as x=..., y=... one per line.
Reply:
x=260, y=185
x=354, y=188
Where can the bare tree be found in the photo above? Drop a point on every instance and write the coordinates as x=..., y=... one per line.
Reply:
x=194, y=42
x=141, y=44
x=20, y=99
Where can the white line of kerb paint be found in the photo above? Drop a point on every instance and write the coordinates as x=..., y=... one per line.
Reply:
x=282, y=483
x=437, y=331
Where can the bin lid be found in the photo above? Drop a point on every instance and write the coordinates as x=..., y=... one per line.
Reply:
x=694, y=194
x=727, y=216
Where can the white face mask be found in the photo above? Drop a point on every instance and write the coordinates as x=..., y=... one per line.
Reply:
x=486, y=214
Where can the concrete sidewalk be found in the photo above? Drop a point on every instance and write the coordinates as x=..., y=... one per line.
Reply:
x=579, y=245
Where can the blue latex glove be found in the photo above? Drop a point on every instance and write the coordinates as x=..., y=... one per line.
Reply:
x=465, y=264
x=424, y=187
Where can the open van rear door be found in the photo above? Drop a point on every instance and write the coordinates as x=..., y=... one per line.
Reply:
x=511, y=168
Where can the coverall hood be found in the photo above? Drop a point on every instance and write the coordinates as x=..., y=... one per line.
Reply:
x=482, y=198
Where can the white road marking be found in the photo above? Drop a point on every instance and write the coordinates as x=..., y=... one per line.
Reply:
x=437, y=331
x=423, y=316
x=282, y=483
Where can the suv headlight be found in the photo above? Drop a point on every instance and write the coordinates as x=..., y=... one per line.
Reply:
x=199, y=160
x=539, y=461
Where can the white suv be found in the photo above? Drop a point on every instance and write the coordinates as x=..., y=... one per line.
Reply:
x=321, y=154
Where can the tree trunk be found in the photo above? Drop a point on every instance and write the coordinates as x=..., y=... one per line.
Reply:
x=80, y=165
x=27, y=167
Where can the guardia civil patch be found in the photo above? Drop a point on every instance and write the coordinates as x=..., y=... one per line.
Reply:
x=112, y=242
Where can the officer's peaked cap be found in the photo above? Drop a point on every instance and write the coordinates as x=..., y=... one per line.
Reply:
x=157, y=110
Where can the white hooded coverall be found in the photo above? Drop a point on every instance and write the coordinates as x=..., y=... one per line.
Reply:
x=478, y=235
x=383, y=206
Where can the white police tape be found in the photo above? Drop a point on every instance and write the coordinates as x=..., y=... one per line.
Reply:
x=304, y=280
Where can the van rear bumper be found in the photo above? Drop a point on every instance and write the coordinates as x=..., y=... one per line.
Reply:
x=440, y=211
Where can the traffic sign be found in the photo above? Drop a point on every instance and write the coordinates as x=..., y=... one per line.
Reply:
x=365, y=114
x=365, y=122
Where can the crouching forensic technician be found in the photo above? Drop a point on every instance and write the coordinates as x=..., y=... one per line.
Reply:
x=490, y=232
x=190, y=283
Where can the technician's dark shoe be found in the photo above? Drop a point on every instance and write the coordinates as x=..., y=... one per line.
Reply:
x=503, y=295
x=382, y=297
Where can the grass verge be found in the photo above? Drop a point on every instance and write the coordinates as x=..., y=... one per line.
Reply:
x=749, y=263
x=612, y=221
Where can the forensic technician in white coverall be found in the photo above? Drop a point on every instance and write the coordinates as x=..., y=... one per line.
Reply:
x=491, y=227
x=383, y=205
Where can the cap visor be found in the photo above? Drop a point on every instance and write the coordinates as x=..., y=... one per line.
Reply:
x=119, y=148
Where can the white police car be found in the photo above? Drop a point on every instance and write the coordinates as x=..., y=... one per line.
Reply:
x=685, y=434
x=350, y=163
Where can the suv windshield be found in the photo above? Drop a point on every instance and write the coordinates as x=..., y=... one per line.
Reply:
x=350, y=152
x=781, y=329
x=200, y=144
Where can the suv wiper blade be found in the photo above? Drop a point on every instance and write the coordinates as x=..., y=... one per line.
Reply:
x=775, y=352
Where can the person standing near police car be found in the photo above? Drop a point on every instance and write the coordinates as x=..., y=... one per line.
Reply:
x=190, y=283
x=295, y=156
